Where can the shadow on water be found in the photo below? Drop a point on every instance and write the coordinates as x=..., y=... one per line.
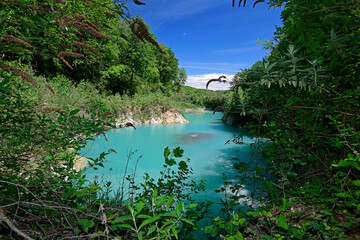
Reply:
x=192, y=137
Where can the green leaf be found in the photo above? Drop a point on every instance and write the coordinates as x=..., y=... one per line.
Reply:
x=82, y=192
x=178, y=152
x=212, y=230
x=170, y=161
x=148, y=221
x=170, y=201
x=154, y=195
x=193, y=205
x=281, y=222
x=122, y=218
x=166, y=224
x=178, y=208
x=267, y=214
x=183, y=166
x=74, y=112
x=343, y=195
x=282, y=218
x=356, y=183
x=283, y=225
x=174, y=231
x=239, y=236
x=342, y=163
x=98, y=234
x=138, y=207
x=125, y=225
x=86, y=224
x=166, y=153
x=242, y=220
x=189, y=221
x=253, y=214
x=161, y=200
x=151, y=230
x=129, y=207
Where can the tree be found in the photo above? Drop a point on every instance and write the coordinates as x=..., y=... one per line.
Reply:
x=182, y=76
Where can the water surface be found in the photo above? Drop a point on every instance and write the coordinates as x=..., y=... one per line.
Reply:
x=205, y=141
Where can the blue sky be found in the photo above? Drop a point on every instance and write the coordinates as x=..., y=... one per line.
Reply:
x=210, y=37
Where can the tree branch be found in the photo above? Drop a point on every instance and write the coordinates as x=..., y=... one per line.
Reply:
x=12, y=227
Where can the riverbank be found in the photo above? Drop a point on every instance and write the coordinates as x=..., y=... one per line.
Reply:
x=156, y=115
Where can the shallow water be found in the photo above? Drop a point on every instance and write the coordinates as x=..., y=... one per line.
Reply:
x=204, y=140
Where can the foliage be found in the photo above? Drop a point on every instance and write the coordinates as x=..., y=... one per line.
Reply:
x=182, y=75
x=229, y=230
x=201, y=97
x=95, y=40
x=38, y=183
x=172, y=181
x=304, y=99
x=162, y=223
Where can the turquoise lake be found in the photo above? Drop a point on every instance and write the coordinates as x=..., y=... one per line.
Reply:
x=204, y=140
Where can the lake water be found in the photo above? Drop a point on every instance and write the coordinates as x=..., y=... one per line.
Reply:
x=204, y=141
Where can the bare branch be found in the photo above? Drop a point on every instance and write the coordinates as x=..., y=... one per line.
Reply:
x=12, y=227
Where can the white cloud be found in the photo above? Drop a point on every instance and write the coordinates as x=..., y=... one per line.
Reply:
x=224, y=67
x=199, y=81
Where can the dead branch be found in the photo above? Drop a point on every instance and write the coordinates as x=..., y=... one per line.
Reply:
x=5, y=220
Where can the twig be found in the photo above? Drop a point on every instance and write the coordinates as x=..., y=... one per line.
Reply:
x=12, y=227
x=21, y=186
x=342, y=188
x=323, y=109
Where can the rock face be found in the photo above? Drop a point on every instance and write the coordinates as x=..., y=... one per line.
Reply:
x=80, y=163
x=160, y=116
x=229, y=119
x=235, y=119
x=166, y=117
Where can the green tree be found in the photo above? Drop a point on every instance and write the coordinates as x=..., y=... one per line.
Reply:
x=182, y=76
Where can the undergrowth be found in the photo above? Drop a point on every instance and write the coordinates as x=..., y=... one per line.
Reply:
x=60, y=93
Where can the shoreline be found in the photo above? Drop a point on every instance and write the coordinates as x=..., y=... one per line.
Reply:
x=162, y=116
x=169, y=116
